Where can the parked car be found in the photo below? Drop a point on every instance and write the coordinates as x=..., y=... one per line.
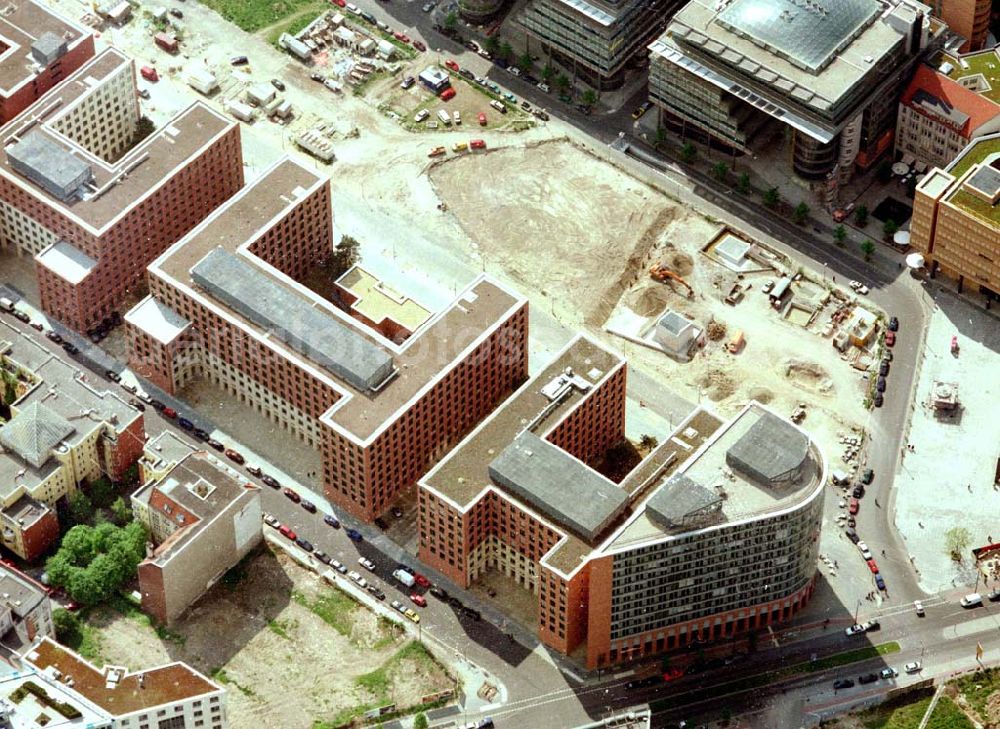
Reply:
x=54, y=336
x=292, y=495
x=338, y=566
x=213, y=443
x=879, y=399
x=853, y=506
x=880, y=384
x=397, y=605
x=366, y=563
x=331, y=520
x=234, y=456
x=176, y=12
x=421, y=580
x=866, y=553
x=412, y=615
x=859, y=491
x=641, y=110
x=890, y=339
x=883, y=368
x=879, y=582
x=376, y=593
x=200, y=433
x=169, y=413
x=308, y=506
x=137, y=405
x=287, y=532
x=271, y=521
x=452, y=64
x=270, y=481
x=893, y=324
x=448, y=94
x=994, y=596
x=317, y=77
x=239, y=61
x=407, y=82
x=113, y=376
x=185, y=423
x=354, y=535
x=439, y=593
x=418, y=599
x=468, y=74
x=913, y=667
x=873, y=566
x=919, y=608
x=843, y=683
x=644, y=682
x=867, y=476
x=304, y=544
x=322, y=556
x=278, y=84
x=419, y=45
x=482, y=119
x=471, y=613
x=867, y=678
x=70, y=348
x=888, y=672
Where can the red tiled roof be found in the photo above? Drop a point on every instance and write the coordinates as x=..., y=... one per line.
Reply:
x=978, y=108
x=168, y=684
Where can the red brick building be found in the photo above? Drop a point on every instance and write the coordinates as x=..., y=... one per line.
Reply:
x=227, y=302
x=38, y=50
x=639, y=565
x=95, y=218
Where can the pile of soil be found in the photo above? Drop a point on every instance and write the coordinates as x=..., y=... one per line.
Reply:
x=717, y=384
x=649, y=300
x=809, y=375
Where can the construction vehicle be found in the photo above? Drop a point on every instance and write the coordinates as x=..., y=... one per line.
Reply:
x=663, y=274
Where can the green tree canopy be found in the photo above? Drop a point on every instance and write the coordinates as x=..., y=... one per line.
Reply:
x=889, y=228
x=121, y=512
x=420, y=722
x=525, y=61
x=743, y=183
x=688, y=152
x=81, y=510
x=771, y=197
x=94, y=562
x=721, y=171
x=451, y=20
x=548, y=72
x=562, y=81
x=868, y=248
x=839, y=234
x=800, y=213
x=861, y=215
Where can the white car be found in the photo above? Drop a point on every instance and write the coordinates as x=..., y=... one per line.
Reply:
x=865, y=552
x=888, y=672
x=919, y=607
x=456, y=116
x=421, y=115
x=854, y=629
x=366, y=563
x=271, y=521
x=338, y=566
x=913, y=667
x=399, y=606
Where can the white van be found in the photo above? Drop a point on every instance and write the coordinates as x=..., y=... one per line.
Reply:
x=443, y=116
x=352, y=8
x=6, y=304
x=971, y=600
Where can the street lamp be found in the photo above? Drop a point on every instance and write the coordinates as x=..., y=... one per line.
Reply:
x=856, y=610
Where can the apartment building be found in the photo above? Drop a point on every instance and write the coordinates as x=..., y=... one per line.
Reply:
x=38, y=49
x=25, y=610
x=968, y=18
x=203, y=518
x=715, y=532
x=92, y=201
x=938, y=117
x=74, y=692
x=830, y=71
x=227, y=302
x=64, y=429
x=596, y=40
x=956, y=218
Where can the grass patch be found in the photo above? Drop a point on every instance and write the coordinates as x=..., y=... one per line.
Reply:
x=390, y=631
x=947, y=715
x=280, y=628
x=333, y=607
x=219, y=675
x=297, y=22
x=252, y=15
x=977, y=688
x=85, y=640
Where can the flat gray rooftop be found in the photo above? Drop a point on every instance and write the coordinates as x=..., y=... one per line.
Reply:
x=681, y=502
x=771, y=448
x=558, y=485
x=314, y=333
x=49, y=164
x=806, y=32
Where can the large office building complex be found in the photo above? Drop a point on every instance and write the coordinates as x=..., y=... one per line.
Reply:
x=715, y=532
x=830, y=71
x=956, y=218
x=596, y=39
x=380, y=389
x=968, y=18
x=93, y=201
x=63, y=430
x=38, y=49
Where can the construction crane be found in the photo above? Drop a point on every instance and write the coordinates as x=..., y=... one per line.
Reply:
x=663, y=274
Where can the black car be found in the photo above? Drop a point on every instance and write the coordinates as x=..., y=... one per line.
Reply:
x=137, y=405
x=994, y=596
x=883, y=368
x=331, y=520
x=54, y=336
x=278, y=84
x=270, y=481
x=867, y=678
x=893, y=324
x=21, y=316
x=644, y=682
x=213, y=443
x=354, y=535
x=867, y=476
x=455, y=602
x=157, y=405
x=852, y=535
x=526, y=106
x=304, y=543
x=468, y=74
x=879, y=399
x=308, y=506
x=843, y=683
x=113, y=376
x=439, y=593
x=541, y=115
x=185, y=423
x=322, y=556
x=239, y=61
x=70, y=348
x=200, y=434
x=317, y=77
x=880, y=384
x=500, y=62
x=380, y=523
x=859, y=491
x=377, y=593
x=176, y=13
x=471, y=613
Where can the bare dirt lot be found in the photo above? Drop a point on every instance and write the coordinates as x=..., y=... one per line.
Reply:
x=571, y=238
x=290, y=650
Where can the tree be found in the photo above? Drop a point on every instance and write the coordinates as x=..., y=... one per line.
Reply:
x=101, y=492
x=721, y=171
x=868, y=248
x=800, y=213
x=743, y=183
x=563, y=82
x=688, y=153
x=506, y=50
x=346, y=254
x=67, y=626
x=121, y=512
x=839, y=235
x=548, y=72
x=94, y=562
x=9, y=387
x=451, y=20
x=589, y=97
x=420, y=722
x=889, y=228
x=661, y=135
x=771, y=197
x=861, y=215
x=525, y=62
x=956, y=540
x=81, y=510
x=649, y=442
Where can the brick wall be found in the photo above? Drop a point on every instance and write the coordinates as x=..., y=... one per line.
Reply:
x=310, y=225
x=41, y=535
x=154, y=597
x=596, y=424
x=53, y=74
x=128, y=449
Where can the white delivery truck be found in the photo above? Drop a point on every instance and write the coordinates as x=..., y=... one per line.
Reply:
x=405, y=577
x=443, y=116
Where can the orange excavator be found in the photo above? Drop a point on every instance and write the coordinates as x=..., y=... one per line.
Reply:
x=663, y=274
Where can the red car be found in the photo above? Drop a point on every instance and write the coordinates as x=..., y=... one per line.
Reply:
x=234, y=456
x=673, y=673
x=853, y=506
x=482, y=119
x=873, y=566
x=419, y=45
x=418, y=600
x=421, y=580
x=286, y=532
x=890, y=339
x=448, y=94
x=452, y=65
x=339, y=3
x=477, y=144
x=169, y=413
x=292, y=495
x=149, y=73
